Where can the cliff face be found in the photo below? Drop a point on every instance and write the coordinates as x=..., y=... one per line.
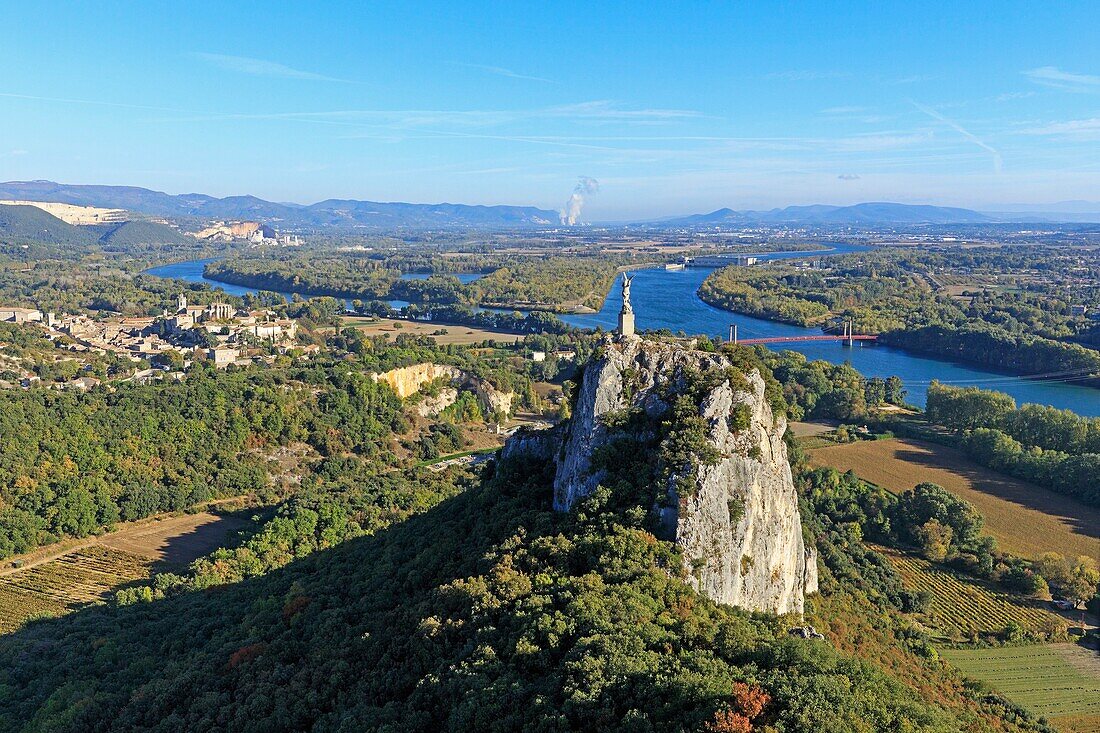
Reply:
x=735, y=515
x=406, y=381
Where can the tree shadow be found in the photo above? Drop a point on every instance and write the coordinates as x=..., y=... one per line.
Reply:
x=1079, y=517
x=301, y=639
x=229, y=529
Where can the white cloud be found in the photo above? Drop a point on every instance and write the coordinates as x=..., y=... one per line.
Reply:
x=844, y=110
x=598, y=111
x=260, y=67
x=1052, y=76
x=1009, y=96
x=848, y=177
x=501, y=71
x=807, y=75
x=880, y=141
x=1077, y=130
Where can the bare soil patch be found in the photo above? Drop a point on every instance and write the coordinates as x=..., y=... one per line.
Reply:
x=808, y=429
x=175, y=540
x=442, y=333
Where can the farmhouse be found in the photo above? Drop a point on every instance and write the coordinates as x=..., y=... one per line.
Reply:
x=9, y=314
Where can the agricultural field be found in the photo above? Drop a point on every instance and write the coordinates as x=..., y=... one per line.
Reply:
x=1025, y=519
x=73, y=580
x=1058, y=681
x=443, y=334
x=961, y=606
x=55, y=580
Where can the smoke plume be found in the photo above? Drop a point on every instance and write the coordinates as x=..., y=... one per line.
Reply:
x=585, y=187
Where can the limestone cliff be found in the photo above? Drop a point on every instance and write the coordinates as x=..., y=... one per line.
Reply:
x=432, y=405
x=735, y=514
x=407, y=381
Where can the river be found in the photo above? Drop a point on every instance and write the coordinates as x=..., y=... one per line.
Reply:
x=193, y=272
x=664, y=299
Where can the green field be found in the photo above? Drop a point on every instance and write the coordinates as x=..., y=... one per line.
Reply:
x=1058, y=681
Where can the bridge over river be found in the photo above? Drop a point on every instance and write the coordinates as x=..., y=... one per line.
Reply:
x=795, y=339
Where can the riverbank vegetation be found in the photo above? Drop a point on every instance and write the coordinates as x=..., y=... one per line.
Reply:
x=1053, y=448
x=1021, y=309
x=532, y=282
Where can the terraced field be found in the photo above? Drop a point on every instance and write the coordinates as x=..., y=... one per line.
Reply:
x=1058, y=681
x=961, y=606
x=75, y=579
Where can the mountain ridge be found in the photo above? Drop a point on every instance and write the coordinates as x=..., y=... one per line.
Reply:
x=343, y=214
x=872, y=212
x=327, y=213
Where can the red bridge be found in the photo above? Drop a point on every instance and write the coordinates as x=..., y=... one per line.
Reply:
x=788, y=339
x=845, y=335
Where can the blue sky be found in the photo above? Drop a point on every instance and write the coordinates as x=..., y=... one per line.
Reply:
x=672, y=107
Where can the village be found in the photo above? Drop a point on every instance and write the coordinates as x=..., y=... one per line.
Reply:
x=218, y=333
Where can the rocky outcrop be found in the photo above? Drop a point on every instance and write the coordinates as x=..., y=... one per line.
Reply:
x=493, y=400
x=735, y=516
x=432, y=405
x=407, y=381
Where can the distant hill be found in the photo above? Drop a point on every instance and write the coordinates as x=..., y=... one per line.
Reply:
x=331, y=213
x=132, y=233
x=29, y=223
x=875, y=213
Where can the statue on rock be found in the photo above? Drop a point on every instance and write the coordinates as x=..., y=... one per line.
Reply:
x=626, y=315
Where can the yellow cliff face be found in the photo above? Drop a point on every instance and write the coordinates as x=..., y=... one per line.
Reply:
x=408, y=380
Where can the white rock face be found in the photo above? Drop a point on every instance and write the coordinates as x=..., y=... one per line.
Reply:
x=431, y=406
x=739, y=525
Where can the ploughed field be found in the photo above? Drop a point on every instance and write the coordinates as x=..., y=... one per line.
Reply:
x=1058, y=681
x=59, y=578
x=1025, y=519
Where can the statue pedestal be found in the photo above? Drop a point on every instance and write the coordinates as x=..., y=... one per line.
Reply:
x=626, y=323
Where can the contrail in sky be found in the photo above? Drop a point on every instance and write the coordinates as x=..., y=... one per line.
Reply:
x=962, y=131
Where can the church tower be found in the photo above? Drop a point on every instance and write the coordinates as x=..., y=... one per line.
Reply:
x=626, y=315
x=181, y=303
